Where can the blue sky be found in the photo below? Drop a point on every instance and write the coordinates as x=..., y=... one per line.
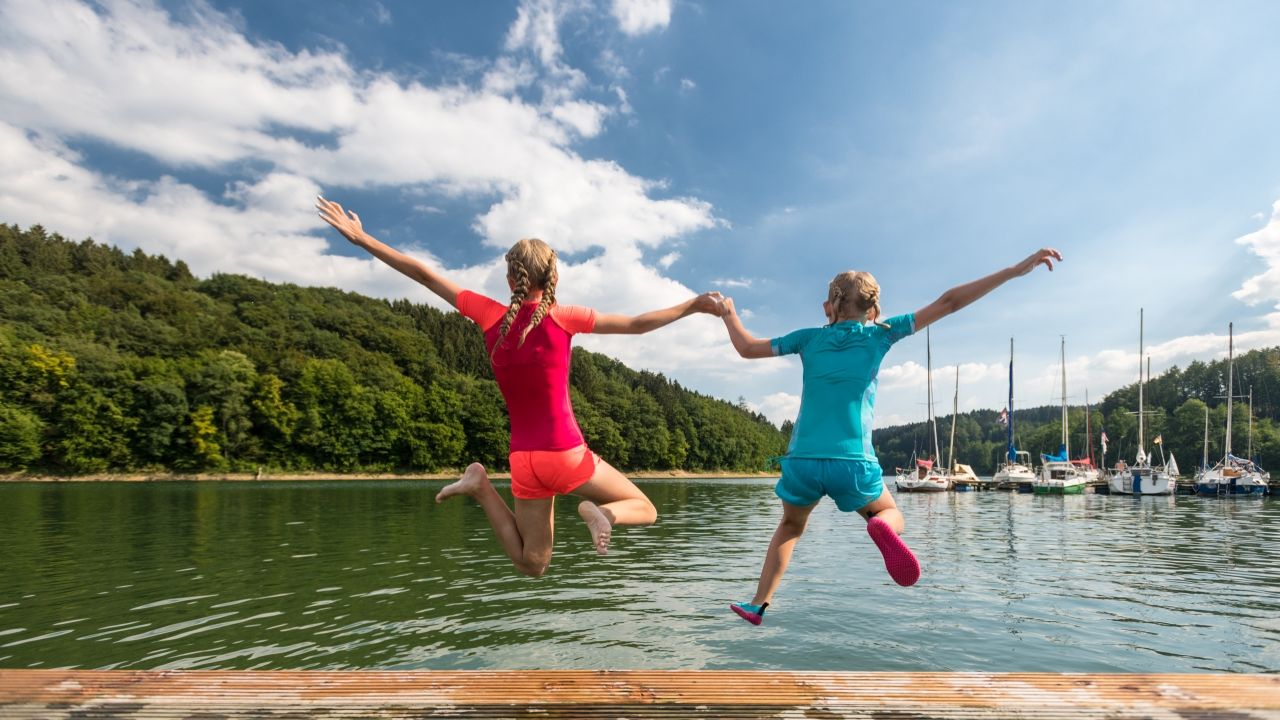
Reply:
x=667, y=147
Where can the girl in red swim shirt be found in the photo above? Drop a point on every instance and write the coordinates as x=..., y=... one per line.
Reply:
x=529, y=343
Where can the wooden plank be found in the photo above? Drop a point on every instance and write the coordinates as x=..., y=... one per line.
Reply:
x=85, y=694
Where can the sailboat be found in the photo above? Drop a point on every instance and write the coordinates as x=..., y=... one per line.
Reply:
x=1233, y=475
x=926, y=476
x=1142, y=478
x=963, y=478
x=1016, y=470
x=1085, y=464
x=1058, y=475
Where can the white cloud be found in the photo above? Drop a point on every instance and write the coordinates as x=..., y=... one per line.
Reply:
x=637, y=17
x=586, y=118
x=778, y=407
x=382, y=13
x=199, y=94
x=687, y=85
x=732, y=282
x=1265, y=243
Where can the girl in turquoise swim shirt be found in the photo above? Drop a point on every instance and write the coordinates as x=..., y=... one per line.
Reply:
x=830, y=452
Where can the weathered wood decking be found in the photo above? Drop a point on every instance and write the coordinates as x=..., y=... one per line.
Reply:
x=83, y=695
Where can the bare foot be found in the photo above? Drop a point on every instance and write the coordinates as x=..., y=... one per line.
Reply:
x=598, y=524
x=473, y=480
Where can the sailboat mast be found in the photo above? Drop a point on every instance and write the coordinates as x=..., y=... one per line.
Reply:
x=1141, y=415
x=1066, y=440
x=955, y=411
x=1204, y=463
x=1249, y=456
x=1088, y=426
x=1226, y=446
x=1013, y=455
x=933, y=421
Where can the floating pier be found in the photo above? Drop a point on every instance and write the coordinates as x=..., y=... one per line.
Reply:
x=89, y=694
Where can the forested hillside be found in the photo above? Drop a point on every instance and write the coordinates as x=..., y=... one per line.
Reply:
x=115, y=361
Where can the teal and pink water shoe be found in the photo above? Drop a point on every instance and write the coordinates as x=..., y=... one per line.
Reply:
x=753, y=614
x=901, y=563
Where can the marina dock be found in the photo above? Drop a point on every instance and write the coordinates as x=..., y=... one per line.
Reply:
x=86, y=694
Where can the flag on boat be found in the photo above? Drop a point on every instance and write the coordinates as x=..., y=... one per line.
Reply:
x=1103, y=438
x=1004, y=416
x=1159, y=439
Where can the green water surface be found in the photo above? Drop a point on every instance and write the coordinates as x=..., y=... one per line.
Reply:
x=340, y=575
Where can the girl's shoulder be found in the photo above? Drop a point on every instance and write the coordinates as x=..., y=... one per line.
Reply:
x=573, y=319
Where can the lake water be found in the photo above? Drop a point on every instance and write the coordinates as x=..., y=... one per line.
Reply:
x=346, y=575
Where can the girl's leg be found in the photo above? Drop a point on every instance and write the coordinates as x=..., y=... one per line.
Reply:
x=885, y=524
x=886, y=509
x=612, y=499
x=525, y=534
x=783, y=544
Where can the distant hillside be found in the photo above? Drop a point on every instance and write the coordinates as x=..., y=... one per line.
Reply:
x=115, y=361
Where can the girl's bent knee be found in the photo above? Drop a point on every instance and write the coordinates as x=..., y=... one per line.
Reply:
x=534, y=571
x=793, y=526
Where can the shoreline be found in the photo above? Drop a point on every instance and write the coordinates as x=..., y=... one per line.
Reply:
x=336, y=476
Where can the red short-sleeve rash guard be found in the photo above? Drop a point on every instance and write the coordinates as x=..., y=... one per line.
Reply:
x=533, y=378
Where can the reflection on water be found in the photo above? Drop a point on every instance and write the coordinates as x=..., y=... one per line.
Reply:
x=376, y=575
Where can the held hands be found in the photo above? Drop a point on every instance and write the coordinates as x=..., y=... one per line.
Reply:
x=1044, y=255
x=344, y=221
x=711, y=303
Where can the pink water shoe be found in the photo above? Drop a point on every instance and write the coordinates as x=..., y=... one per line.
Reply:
x=901, y=563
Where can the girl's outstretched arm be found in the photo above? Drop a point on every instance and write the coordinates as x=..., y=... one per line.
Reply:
x=961, y=295
x=348, y=223
x=747, y=345
x=614, y=324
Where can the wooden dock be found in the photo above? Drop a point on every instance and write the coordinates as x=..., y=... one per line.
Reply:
x=90, y=694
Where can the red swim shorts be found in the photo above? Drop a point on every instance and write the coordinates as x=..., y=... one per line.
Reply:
x=546, y=473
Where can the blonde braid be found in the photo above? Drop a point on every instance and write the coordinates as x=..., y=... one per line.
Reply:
x=521, y=277
x=544, y=305
x=871, y=301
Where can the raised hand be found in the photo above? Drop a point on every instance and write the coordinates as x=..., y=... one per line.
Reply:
x=344, y=221
x=726, y=307
x=1044, y=255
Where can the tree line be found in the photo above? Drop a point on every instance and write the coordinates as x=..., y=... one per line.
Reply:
x=114, y=361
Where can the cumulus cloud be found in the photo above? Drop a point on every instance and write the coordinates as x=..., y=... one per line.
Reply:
x=1265, y=243
x=281, y=125
x=778, y=407
x=637, y=17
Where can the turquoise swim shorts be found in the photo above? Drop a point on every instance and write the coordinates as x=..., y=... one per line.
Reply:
x=850, y=483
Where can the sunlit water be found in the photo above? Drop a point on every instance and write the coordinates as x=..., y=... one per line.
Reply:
x=376, y=575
